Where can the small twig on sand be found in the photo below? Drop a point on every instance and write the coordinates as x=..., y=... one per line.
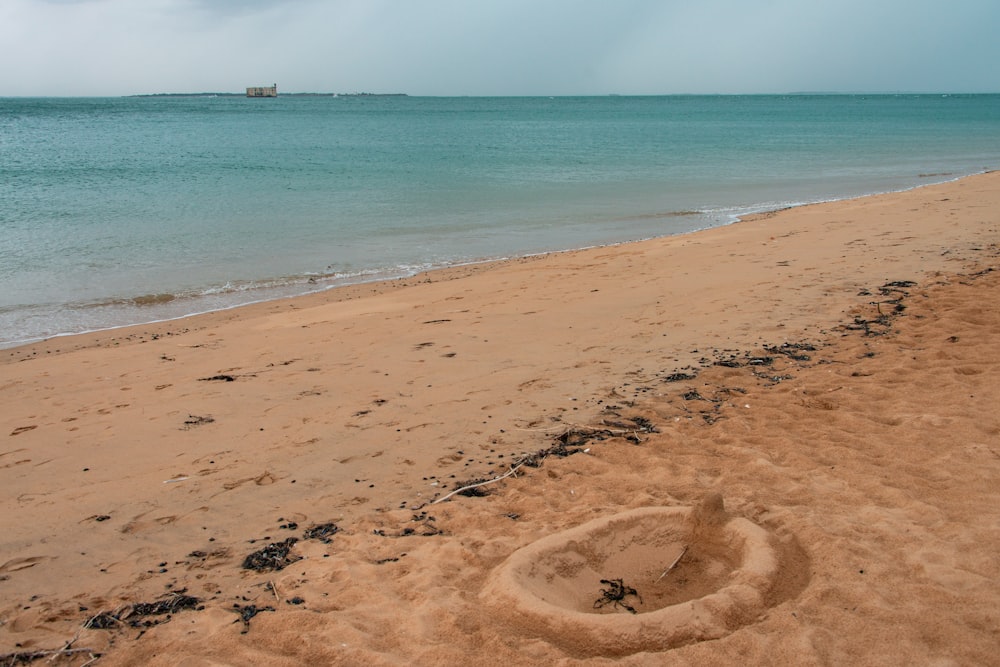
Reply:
x=68, y=645
x=673, y=565
x=477, y=484
x=542, y=430
x=274, y=589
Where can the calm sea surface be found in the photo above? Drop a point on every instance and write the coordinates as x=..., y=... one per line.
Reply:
x=117, y=211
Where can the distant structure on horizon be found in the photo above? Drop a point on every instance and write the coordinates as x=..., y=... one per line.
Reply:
x=263, y=91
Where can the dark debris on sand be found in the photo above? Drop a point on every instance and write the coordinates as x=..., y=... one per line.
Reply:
x=28, y=657
x=135, y=615
x=881, y=323
x=425, y=527
x=197, y=420
x=219, y=378
x=247, y=612
x=615, y=595
x=273, y=557
x=475, y=488
x=322, y=532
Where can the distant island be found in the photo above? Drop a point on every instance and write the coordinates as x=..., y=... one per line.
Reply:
x=282, y=95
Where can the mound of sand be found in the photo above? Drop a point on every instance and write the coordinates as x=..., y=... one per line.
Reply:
x=682, y=575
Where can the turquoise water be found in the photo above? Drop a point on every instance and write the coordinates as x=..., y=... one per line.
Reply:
x=116, y=211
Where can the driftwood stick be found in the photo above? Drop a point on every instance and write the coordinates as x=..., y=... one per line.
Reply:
x=507, y=474
x=673, y=565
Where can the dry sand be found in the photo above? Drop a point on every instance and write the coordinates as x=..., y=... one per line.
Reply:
x=798, y=412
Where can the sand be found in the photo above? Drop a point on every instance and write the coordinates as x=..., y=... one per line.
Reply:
x=784, y=448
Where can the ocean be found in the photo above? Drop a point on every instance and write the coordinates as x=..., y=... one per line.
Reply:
x=117, y=211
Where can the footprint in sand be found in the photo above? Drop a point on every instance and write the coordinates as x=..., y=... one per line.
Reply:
x=450, y=459
x=537, y=383
x=15, y=564
x=211, y=458
x=136, y=524
x=264, y=479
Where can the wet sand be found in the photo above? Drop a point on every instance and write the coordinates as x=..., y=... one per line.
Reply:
x=777, y=442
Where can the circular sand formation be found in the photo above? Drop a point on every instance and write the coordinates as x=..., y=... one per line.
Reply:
x=643, y=580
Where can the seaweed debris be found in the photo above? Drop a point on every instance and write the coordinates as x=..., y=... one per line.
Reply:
x=794, y=351
x=426, y=523
x=246, y=613
x=27, y=657
x=882, y=322
x=569, y=442
x=322, y=532
x=275, y=556
x=176, y=602
x=472, y=488
x=135, y=615
x=615, y=595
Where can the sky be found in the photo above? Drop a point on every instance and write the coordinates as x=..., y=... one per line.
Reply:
x=498, y=47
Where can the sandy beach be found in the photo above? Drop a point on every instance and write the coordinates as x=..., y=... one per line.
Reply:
x=775, y=442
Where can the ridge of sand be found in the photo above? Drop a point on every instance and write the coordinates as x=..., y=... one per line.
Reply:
x=830, y=371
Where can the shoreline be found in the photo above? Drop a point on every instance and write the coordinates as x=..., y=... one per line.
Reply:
x=733, y=219
x=829, y=371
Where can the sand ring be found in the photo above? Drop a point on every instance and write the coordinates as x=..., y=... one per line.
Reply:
x=553, y=587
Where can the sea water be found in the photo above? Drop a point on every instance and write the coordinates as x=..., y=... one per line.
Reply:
x=117, y=211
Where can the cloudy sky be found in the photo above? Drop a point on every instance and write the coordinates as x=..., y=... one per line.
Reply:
x=498, y=47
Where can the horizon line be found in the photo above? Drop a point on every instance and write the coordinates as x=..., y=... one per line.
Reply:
x=542, y=95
